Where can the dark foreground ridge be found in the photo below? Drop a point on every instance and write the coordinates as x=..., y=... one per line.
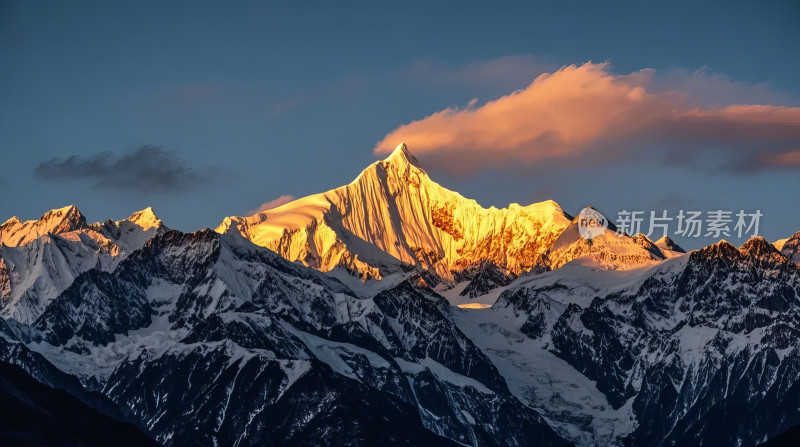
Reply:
x=33, y=414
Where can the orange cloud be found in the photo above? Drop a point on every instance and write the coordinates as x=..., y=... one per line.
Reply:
x=759, y=123
x=786, y=159
x=580, y=111
x=282, y=200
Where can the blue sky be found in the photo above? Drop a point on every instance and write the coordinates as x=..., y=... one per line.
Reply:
x=244, y=102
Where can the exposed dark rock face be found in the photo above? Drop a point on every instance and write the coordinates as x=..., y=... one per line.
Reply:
x=204, y=338
x=254, y=350
x=485, y=278
x=705, y=352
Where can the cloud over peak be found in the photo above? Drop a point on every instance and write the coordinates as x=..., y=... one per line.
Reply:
x=274, y=203
x=149, y=169
x=587, y=112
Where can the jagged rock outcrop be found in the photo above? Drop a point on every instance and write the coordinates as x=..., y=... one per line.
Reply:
x=700, y=349
x=260, y=350
x=791, y=248
x=485, y=278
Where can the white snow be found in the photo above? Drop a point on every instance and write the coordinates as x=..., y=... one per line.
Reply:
x=42, y=258
x=442, y=372
x=394, y=214
x=545, y=382
x=331, y=352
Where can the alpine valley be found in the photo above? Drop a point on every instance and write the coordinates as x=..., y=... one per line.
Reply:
x=392, y=311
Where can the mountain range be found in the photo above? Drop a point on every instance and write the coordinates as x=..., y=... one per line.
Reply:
x=393, y=311
x=393, y=219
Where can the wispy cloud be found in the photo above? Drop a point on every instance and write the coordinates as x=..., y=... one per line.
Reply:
x=703, y=88
x=274, y=203
x=515, y=70
x=585, y=112
x=149, y=169
x=785, y=159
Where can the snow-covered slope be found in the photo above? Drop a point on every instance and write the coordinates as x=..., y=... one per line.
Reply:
x=34, y=270
x=699, y=349
x=261, y=351
x=607, y=250
x=669, y=247
x=132, y=233
x=209, y=338
x=393, y=216
x=614, y=347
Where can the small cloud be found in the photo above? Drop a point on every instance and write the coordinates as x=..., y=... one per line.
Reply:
x=586, y=114
x=287, y=105
x=274, y=203
x=786, y=159
x=514, y=70
x=149, y=169
x=707, y=89
x=775, y=160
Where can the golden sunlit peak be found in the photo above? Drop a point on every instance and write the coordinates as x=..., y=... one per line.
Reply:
x=63, y=211
x=13, y=220
x=145, y=218
x=401, y=156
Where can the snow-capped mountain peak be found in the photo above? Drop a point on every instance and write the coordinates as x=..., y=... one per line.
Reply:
x=607, y=249
x=132, y=233
x=145, y=218
x=40, y=259
x=721, y=249
x=402, y=157
x=393, y=217
x=758, y=245
x=646, y=243
x=64, y=213
x=14, y=232
x=15, y=220
x=791, y=248
x=665, y=243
